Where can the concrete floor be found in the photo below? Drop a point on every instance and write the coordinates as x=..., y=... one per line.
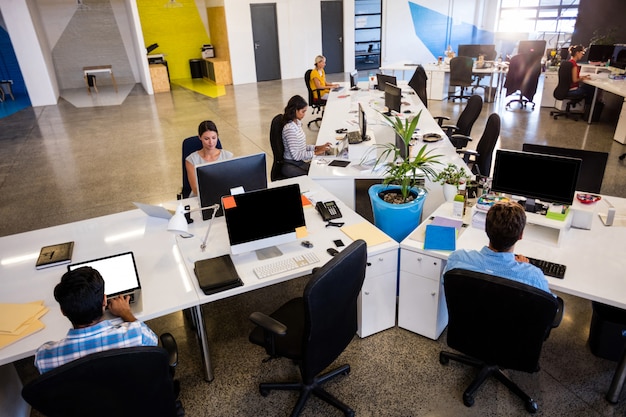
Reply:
x=61, y=164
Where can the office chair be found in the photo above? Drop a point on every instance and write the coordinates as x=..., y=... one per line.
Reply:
x=460, y=75
x=278, y=148
x=6, y=87
x=134, y=381
x=315, y=101
x=459, y=134
x=314, y=330
x=562, y=92
x=418, y=84
x=479, y=161
x=497, y=323
x=522, y=77
x=190, y=145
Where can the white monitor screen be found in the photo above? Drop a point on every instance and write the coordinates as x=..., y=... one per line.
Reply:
x=118, y=271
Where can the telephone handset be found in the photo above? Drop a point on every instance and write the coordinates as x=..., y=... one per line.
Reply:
x=328, y=210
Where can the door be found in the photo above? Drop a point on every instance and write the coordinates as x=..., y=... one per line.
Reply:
x=332, y=35
x=265, y=38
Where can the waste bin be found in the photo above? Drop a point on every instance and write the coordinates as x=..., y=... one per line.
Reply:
x=607, y=334
x=195, y=66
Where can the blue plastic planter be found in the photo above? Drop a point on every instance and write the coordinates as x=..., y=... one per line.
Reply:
x=397, y=220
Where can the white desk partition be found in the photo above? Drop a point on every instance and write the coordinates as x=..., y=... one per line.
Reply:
x=341, y=112
x=618, y=87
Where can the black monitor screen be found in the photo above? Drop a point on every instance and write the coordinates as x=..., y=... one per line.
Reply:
x=475, y=50
x=362, y=123
x=354, y=75
x=382, y=79
x=549, y=178
x=532, y=47
x=393, y=98
x=263, y=218
x=592, y=164
x=403, y=147
x=217, y=179
x=599, y=53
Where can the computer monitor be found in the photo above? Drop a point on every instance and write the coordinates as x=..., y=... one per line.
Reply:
x=403, y=147
x=382, y=79
x=536, y=47
x=217, y=179
x=393, y=98
x=599, y=53
x=592, y=166
x=354, y=79
x=549, y=178
x=262, y=219
x=363, y=123
x=475, y=50
x=618, y=59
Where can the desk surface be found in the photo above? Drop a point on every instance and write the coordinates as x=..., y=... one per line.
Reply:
x=602, y=81
x=594, y=258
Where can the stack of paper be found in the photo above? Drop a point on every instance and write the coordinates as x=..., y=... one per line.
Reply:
x=20, y=320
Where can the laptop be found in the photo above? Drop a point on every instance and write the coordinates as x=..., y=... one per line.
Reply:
x=154, y=211
x=120, y=276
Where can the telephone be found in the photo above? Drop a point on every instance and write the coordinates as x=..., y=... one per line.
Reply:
x=328, y=210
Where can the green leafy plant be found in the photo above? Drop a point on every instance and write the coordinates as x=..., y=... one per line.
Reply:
x=406, y=172
x=452, y=174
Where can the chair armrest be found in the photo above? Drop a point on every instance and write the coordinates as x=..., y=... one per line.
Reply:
x=459, y=141
x=440, y=119
x=467, y=154
x=559, y=313
x=169, y=344
x=450, y=130
x=268, y=323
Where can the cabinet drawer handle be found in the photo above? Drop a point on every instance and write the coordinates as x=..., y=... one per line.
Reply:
x=366, y=293
x=369, y=264
x=433, y=293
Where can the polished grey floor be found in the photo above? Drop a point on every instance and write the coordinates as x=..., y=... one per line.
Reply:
x=60, y=164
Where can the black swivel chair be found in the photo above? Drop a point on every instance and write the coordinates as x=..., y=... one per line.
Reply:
x=278, y=148
x=497, y=323
x=314, y=330
x=523, y=77
x=479, y=160
x=418, y=84
x=315, y=100
x=562, y=92
x=461, y=68
x=190, y=145
x=127, y=382
x=459, y=134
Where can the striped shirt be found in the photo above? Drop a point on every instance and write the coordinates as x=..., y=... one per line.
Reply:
x=106, y=335
x=294, y=140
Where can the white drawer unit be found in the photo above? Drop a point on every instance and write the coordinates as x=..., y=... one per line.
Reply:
x=422, y=305
x=376, y=308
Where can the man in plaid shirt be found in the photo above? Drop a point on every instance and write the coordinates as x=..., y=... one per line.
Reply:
x=81, y=297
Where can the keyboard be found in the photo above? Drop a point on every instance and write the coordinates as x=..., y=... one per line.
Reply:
x=337, y=89
x=549, y=268
x=285, y=265
x=354, y=137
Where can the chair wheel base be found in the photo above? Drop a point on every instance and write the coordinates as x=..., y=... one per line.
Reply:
x=531, y=406
x=468, y=400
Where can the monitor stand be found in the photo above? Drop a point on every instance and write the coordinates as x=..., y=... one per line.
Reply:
x=267, y=253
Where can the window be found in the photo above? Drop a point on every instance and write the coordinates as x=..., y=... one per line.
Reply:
x=538, y=16
x=367, y=26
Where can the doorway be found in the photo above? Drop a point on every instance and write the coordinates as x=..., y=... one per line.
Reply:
x=332, y=35
x=265, y=38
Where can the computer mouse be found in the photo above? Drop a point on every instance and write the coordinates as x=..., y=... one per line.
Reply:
x=407, y=111
x=332, y=251
x=307, y=244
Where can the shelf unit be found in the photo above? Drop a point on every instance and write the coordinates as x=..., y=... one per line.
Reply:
x=367, y=33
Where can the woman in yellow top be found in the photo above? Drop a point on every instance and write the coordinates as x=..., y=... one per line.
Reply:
x=318, y=79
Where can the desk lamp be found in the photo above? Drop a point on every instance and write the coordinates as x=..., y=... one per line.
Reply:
x=178, y=222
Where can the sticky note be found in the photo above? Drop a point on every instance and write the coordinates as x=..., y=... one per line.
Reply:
x=301, y=232
x=229, y=202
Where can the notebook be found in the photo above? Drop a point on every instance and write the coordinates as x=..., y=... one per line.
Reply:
x=120, y=276
x=155, y=211
x=216, y=274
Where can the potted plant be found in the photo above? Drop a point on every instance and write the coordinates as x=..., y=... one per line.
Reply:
x=397, y=203
x=450, y=178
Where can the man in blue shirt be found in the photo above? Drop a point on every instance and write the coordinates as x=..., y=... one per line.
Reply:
x=82, y=300
x=504, y=226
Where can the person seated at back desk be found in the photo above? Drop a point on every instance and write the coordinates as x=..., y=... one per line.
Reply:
x=318, y=79
x=504, y=226
x=81, y=297
x=208, y=134
x=578, y=86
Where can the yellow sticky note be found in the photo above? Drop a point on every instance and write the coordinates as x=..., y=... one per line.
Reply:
x=301, y=232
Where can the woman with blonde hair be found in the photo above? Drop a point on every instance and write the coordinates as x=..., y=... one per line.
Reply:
x=318, y=79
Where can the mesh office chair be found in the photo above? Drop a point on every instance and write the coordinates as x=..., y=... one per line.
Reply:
x=127, y=382
x=497, y=323
x=562, y=92
x=459, y=134
x=479, y=160
x=460, y=75
x=278, y=148
x=418, y=84
x=315, y=100
x=190, y=145
x=314, y=330
x=522, y=77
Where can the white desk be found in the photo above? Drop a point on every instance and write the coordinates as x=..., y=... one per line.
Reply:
x=342, y=113
x=594, y=259
x=618, y=87
x=98, y=68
